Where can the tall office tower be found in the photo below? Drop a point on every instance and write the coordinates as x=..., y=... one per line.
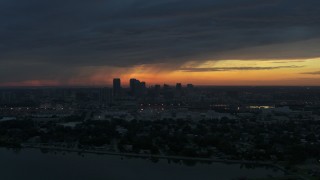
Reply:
x=142, y=89
x=133, y=85
x=190, y=86
x=117, y=87
x=178, y=86
x=143, y=85
x=136, y=87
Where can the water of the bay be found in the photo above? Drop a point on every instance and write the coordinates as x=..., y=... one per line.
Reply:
x=33, y=164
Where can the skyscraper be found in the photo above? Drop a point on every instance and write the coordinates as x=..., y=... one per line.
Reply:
x=117, y=87
x=135, y=87
x=190, y=86
x=178, y=86
x=143, y=85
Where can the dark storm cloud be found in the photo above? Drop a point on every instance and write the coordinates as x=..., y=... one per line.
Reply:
x=42, y=36
x=312, y=73
x=236, y=68
x=289, y=61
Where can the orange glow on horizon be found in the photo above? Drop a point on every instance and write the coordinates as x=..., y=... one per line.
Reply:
x=227, y=72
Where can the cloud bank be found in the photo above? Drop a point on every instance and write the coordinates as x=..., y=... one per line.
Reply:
x=236, y=68
x=312, y=73
x=42, y=39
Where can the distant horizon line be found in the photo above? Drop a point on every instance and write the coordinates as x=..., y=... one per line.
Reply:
x=128, y=86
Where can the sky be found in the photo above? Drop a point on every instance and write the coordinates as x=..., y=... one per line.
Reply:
x=204, y=42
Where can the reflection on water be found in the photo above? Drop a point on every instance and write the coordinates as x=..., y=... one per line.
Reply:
x=52, y=165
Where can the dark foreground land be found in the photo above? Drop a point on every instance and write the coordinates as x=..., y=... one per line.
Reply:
x=278, y=126
x=288, y=144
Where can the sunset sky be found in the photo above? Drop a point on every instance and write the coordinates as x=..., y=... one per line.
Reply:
x=204, y=42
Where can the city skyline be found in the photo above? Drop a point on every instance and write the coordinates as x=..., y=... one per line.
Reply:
x=159, y=89
x=206, y=42
x=134, y=84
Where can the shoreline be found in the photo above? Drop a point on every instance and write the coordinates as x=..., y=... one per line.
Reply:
x=287, y=173
x=181, y=158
